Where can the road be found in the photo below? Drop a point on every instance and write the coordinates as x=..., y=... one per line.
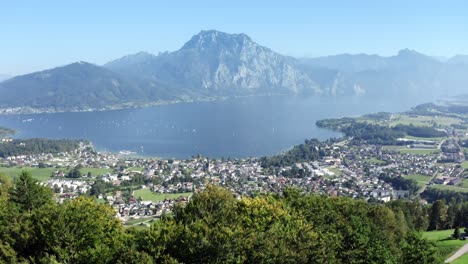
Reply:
x=458, y=254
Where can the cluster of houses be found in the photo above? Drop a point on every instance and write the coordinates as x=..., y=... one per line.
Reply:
x=353, y=171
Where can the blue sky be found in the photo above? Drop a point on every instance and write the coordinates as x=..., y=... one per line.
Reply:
x=36, y=35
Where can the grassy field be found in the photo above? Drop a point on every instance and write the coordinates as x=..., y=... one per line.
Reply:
x=437, y=139
x=419, y=178
x=449, y=187
x=464, y=183
x=139, y=221
x=95, y=171
x=41, y=174
x=405, y=150
x=465, y=165
x=148, y=195
x=461, y=260
x=404, y=119
x=140, y=169
x=417, y=151
x=445, y=245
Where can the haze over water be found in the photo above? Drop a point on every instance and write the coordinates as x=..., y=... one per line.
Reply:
x=242, y=127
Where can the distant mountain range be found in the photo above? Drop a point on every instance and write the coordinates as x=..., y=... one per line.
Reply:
x=4, y=77
x=214, y=64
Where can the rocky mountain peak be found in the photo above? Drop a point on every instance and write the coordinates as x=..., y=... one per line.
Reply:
x=210, y=40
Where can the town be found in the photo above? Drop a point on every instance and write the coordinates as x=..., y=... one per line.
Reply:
x=141, y=189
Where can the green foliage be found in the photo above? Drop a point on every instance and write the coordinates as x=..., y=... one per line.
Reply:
x=28, y=194
x=401, y=183
x=437, y=216
x=419, y=131
x=418, y=250
x=75, y=173
x=308, y=151
x=213, y=227
x=377, y=134
x=37, y=146
x=79, y=231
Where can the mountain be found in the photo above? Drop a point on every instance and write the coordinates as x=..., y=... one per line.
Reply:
x=409, y=73
x=4, y=77
x=78, y=86
x=459, y=60
x=214, y=63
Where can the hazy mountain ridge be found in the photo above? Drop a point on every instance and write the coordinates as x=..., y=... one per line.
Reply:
x=214, y=64
x=75, y=86
x=4, y=77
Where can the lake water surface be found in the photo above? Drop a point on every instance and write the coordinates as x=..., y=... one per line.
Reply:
x=241, y=127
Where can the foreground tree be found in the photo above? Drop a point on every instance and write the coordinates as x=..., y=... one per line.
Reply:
x=80, y=231
x=28, y=194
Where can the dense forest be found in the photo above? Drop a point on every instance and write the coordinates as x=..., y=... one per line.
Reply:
x=37, y=146
x=213, y=227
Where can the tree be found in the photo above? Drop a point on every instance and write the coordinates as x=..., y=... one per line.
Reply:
x=74, y=173
x=456, y=233
x=437, y=216
x=28, y=194
x=417, y=250
x=80, y=231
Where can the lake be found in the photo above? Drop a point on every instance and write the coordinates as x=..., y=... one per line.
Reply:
x=240, y=127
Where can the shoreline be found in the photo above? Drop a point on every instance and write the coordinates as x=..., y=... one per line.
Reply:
x=31, y=111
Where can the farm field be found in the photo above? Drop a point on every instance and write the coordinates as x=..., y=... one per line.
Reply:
x=449, y=187
x=41, y=174
x=405, y=119
x=95, y=171
x=418, y=151
x=419, y=178
x=415, y=151
x=465, y=165
x=148, y=195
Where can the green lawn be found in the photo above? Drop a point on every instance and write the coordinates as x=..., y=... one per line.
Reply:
x=405, y=150
x=419, y=178
x=418, y=151
x=445, y=245
x=140, y=169
x=437, y=235
x=148, y=195
x=425, y=138
x=461, y=260
x=95, y=171
x=465, y=165
x=404, y=119
x=464, y=183
x=139, y=221
x=41, y=174
x=392, y=147
x=449, y=187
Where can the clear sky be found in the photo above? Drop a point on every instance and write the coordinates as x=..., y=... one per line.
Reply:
x=36, y=35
